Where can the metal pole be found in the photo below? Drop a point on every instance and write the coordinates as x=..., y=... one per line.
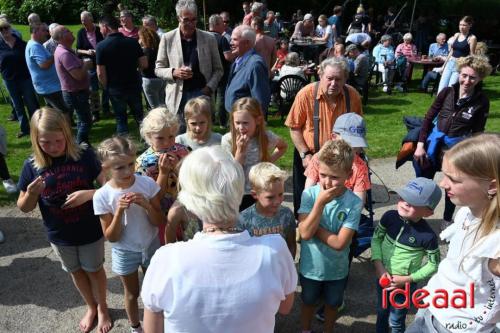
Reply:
x=205, y=15
x=413, y=13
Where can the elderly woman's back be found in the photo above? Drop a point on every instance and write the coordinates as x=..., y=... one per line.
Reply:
x=222, y=279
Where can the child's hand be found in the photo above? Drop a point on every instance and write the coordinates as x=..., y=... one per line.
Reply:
x=167, y=162
x=381, y=271
x=124, y=201
x=242, y=142
x=76, y=199
x=398, y=281
x=172, y=184
x=139, y=199
x=326, y=195
x=36, y=187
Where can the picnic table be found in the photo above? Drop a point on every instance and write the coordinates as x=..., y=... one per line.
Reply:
x=427, y=63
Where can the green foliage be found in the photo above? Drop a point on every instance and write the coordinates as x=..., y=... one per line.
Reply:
x=10, y=8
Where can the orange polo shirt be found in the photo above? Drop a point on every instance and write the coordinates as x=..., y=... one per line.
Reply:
x=302, y=111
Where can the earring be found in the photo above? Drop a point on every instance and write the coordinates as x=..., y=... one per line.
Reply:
x=491, y=195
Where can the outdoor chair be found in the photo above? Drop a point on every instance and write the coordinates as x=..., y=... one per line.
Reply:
x=289, y=86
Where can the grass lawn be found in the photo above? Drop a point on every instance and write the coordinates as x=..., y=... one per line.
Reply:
x=383, y=114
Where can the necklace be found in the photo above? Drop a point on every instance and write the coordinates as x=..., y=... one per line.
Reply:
x=228, y=230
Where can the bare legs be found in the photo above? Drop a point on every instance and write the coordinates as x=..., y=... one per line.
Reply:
x=131, y=285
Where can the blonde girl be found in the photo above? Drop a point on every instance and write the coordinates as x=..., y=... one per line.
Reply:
x=249, y=141
x=471, y=179
x=159, y=129
x=128, y=206
x=198, y=116
x=59, y=177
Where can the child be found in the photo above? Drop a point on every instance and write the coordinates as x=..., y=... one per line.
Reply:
x=159, y=129
x=59, y=177
x=198, y=115
x=249, y=141
x=351, y=128
x=328, y=218
x=472, y=180
x=400, y=242
x=280, y=55
x=267, y=215
x=128, y=206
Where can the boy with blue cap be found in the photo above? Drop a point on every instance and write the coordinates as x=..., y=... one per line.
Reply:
x=401, y=240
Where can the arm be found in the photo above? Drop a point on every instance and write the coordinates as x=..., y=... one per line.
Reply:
x=472, y=44
x=494, y=266
x=309, y=223
x=153, y=321
x=163, y=69
x=112, y=224
x=336, y=242
x=47, y=63
x=300, y=144
x=102, y=76
x=287, y=304
x=28, y=200
x=361, y=195
x=175, y=217
x=281, y=147
x=431, y=267
x=142, y=62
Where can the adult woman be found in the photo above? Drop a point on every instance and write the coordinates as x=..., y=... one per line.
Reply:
x=407, y=50
x=231, y=282
x=324, y=31
x=16, y=76
x=153, y=86
x=463, y=43
x=461, y=110
x=291, y=67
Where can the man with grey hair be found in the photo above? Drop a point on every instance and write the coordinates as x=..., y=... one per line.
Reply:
x=249, y=74
x=271, y=27
x=128, y=29
x=34, y=18
x=437, y=51
x=228, y=30
x=256, y=10
x=313, y=113
x=149, y=21
x=188, y=59
x=51, y=44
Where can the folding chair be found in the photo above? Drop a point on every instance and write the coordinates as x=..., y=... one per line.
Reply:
x=289, y=86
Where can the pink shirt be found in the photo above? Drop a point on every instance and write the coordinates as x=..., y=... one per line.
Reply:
x=408, y=50
x=92, y=38
x=134, y=33
x=66, y=60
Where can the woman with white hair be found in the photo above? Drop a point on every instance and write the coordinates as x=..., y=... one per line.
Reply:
x=222, y=280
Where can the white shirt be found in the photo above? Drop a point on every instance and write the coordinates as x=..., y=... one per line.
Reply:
x=220, y=283
x=137, y=231
x=465, y=263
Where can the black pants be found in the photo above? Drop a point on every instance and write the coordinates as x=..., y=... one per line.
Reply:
x=4, y=171
x=299, y=181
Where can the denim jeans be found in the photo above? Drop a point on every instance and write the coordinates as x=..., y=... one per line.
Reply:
x=79, y=102
x=450, y=74
x=186, y=96
x=154, y=90
x=119, y=102
x=22, y=93
x=429, y=76
x=56, y=100
x=395, y=318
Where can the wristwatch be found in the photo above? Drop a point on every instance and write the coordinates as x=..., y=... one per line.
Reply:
x=303, y=154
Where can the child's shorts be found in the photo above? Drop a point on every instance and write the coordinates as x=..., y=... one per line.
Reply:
x=88, y=257
x=124, y=262
x=332, y=291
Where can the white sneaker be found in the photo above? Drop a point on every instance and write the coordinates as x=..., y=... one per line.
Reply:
x=384, y=89
x=136, y=330
x=10, y=186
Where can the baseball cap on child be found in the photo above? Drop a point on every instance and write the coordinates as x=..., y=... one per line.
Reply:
x=352, y=128
x=421, y=192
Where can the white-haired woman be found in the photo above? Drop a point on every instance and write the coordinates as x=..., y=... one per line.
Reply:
x=222, y=280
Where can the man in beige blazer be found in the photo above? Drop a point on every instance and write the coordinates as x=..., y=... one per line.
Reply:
x=188, y=59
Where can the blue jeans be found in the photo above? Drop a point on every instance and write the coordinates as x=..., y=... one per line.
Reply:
x=119, y=102
x=429, y=76
x=79, y=102
x=450, y=74
x=395, y=318
x=22, y=93
x=56, y=101
x=154, y=91
x=186, y=96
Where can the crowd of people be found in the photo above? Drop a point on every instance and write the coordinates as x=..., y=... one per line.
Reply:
x=202, y=214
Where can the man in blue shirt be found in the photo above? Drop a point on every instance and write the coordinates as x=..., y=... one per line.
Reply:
x=437, y=51
x=336, y=21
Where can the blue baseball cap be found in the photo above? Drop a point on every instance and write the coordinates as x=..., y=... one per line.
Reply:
x=421, y=192
x=352, y=127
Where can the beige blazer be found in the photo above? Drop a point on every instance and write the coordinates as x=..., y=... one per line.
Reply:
x=170, y=57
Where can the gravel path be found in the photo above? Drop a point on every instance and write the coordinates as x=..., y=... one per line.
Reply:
x=37, y=296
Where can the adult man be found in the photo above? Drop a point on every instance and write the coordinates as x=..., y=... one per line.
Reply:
x=149, y=21
x=437, y=51
x=228, y=30
x=51, y=44
x=216, y=26
x=117, y=59
x=331, y=97
x=271, y=28
x=189, y=60
x=336, y=21
x=246, y=8
x=256, y=10
x=128, y=29
x=360, y=39
x=75, y=81
x=359, y=75
x=265, y=46
x=304, y=28
x=43, y=72
x=249, y=75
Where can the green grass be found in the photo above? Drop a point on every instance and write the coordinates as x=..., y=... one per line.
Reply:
x=383, y=114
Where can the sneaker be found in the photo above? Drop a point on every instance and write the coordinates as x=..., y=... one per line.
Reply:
x=320, y=314
x=10, y=186
x=137, y=329
x=399, y=88
x=2, y=237
x=385, y=88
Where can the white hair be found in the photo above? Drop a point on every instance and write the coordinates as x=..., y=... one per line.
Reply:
x=186, y=5
x=157, y=120
x=212, y=184
x=213, y=20
x=408, y=36
x=246, y=33
x=86, y=14
x=333, y=62
x=52, y=26
x=256, y=6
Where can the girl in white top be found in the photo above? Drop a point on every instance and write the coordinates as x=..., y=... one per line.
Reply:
x=324, y=32
x=471, y=179
x=222, y=280
x=128, y=206
x=249, y=141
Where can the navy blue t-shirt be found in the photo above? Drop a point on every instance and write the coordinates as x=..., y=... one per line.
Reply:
x=72, y=226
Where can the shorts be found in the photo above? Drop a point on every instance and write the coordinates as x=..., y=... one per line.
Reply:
x=332, y=291
x=125, y=262
x=88, y=257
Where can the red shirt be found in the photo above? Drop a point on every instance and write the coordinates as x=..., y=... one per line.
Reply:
x=134, y=33
x=281, y=54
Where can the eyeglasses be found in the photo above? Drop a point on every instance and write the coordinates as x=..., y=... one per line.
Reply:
x=188, y=20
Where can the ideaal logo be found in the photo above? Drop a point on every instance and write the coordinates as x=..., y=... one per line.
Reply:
x=441, y=299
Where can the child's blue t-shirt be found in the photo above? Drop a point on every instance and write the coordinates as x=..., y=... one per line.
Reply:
x=282, y=223
x=72, y=226
x=318, y=261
